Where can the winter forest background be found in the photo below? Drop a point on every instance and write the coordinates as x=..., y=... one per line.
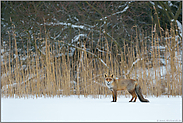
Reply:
x=65, y=48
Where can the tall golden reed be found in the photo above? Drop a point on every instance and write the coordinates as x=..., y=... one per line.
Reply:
x=154, y=61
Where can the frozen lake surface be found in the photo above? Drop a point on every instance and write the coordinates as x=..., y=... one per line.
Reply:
x=72, y=108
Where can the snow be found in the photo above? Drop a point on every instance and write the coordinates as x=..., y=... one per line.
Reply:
x=152, y=3
x=66, y=24
x=179, y=26
x=119, y=12
x=124, y=10
x=76, y=38
x=103, y=62
x=133, y=65
x=72, y=108
x=169, y=3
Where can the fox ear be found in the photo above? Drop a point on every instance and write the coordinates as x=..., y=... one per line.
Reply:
x=105, y=75
x=111, y=75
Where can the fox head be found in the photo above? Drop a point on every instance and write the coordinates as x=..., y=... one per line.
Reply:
x=109, y=81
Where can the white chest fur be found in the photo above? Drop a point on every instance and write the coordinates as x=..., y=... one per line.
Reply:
x=109, y=85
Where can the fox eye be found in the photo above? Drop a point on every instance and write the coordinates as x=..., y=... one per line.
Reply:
x=108, y=79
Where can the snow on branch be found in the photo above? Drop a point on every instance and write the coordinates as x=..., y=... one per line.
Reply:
x=133, y=65
x=69, y=24
x=120, y=12
x=71, y=45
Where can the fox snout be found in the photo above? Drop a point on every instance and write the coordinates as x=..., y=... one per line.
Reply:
x=108, y=83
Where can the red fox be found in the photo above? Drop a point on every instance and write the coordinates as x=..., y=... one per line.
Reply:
x=124, y=84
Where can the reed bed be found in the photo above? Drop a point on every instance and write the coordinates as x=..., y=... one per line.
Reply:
x=55, y=70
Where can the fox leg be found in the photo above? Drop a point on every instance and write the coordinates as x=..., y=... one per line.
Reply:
x=114, y=96
x=133, y=95
x=131, y=99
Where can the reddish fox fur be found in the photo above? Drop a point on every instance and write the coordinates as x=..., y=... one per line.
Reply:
x=124, y=84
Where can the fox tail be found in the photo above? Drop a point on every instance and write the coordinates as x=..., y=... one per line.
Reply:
x=139, y=94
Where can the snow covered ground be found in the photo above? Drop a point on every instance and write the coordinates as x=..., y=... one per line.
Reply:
x=72, y=108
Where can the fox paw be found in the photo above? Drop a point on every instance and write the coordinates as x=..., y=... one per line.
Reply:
x=131, y=101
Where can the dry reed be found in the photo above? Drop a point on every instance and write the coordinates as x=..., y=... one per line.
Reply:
x=157, y=67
